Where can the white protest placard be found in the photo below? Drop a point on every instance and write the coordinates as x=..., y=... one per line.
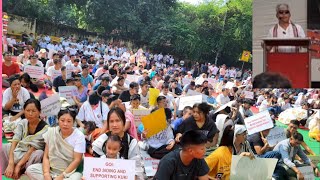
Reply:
x=186, y=81
x=189, y=101
x=242, y=168
x=194, y=93
x=199, y=80
x=67, y=92
x=258, y=122
x=51, y=105
x=138, y=114
x=55, y=73
x=104, y=168
x=132, y=78
x=229, y=85
x=307, y=172
x=276, y=135
x=248, y=94
x=34, y=71
x=150, y=164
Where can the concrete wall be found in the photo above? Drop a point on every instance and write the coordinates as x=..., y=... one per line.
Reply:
x=264, y=18
x=18, y=25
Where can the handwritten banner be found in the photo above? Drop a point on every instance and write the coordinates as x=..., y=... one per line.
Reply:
x=242, y=168
x=189, y=101
x=34, y=71
x=67, y=92
x=150, y=164
x=51, y=105
x=69, y=71
x=276, y=135
x=103, y=168
x=258, y=122
x=55, y=73
x=138, y=114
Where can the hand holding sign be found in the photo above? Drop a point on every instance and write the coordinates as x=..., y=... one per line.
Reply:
x=51, y=105
x=258, y=122
x=155, y=122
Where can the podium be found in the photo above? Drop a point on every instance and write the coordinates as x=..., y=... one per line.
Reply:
x=290, y=57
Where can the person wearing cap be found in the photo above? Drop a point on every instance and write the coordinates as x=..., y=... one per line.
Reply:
x=9, y=68
x=42, y=56
x=240, y=142
x=14, y=98
x=86, y=78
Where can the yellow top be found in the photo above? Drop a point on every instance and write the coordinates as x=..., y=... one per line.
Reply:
x=219, y=163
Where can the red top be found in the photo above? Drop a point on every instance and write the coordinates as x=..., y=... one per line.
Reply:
x=10, y=70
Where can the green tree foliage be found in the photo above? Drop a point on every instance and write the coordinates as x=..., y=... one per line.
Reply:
x=187, y=31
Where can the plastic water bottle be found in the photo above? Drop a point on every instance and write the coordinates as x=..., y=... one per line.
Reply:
x=52, y=120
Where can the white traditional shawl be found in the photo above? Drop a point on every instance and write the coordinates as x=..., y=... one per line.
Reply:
x=27, y=141
x=60, y=152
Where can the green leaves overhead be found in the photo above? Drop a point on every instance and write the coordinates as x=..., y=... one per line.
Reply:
x=169, y=26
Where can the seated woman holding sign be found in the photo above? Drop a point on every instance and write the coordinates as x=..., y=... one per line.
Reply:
x=129, y=146
x=200, y=121
x=63, y=153
x=35, y=62
x=161, y=143
x=27, y=143
x=219, y=161
x=13, y=99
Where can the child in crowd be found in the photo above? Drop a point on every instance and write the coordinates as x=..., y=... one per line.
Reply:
x=113, y=147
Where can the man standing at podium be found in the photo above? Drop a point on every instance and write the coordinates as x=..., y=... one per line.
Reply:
x=285, y=28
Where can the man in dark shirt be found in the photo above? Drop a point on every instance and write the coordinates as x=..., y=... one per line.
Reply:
x=187, y=163
x=133, y=89
x=60, y=80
